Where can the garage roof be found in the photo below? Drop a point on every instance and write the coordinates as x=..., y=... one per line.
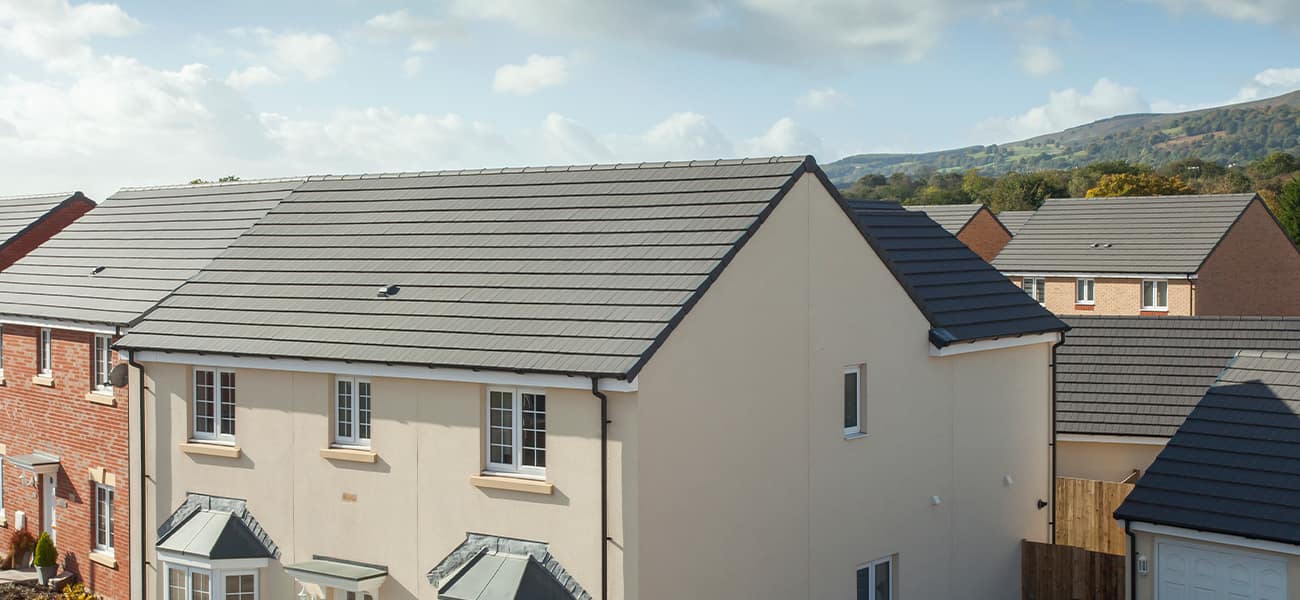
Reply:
x=1233, y=467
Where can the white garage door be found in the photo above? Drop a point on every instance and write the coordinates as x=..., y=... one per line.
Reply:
x=1191, y=572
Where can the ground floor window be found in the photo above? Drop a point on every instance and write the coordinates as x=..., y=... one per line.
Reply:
x=193, y=583
x=104, y=518
x=876, y=580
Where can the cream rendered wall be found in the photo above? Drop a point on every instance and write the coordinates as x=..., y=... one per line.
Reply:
x=1103, y=461
x=1146, y=545
x=414, y=505
x=749, y=488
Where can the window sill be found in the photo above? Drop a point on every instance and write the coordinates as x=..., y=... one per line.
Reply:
x=1153, y=312
x=854, y=436
x=104, y=559
x=210, y=449
x=349, y=455
x=107, y=399
x=514, y=484
x=43, y=380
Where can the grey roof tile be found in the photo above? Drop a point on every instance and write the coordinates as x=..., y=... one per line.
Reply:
x=1014, y=220
x=952, y=217
x=18, y=214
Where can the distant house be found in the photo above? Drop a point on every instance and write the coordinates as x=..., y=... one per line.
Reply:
x=1218, y=513
x=1125, y=384
x=1013, y=220
x=27, y=221
x=1168, y=255
x=973, y=224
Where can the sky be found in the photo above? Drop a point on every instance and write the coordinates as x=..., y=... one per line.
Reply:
x=96, y=96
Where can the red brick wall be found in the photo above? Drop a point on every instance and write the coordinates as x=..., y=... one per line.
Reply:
x=34, y=237
x=984, y=235
x=84, y=435
x=1254, y=271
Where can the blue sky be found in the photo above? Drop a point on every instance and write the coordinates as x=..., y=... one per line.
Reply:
x=96, y=95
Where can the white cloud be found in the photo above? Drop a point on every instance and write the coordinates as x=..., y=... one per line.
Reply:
x=1268, y=83
x=536, y=73
x=1065, y=109
x=681, y=136
x=412, y=66
x=1039, y=60
x=1266, y=12
x=53, y=31
x=565, y=140
x=420, y=33
x=823, y=99
x=783, y=138
x=241, y=79
x=314, y=55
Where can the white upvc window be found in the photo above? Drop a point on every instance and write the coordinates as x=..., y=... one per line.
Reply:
x=351, y=412
x=214, y=405
x=1085, y=290
x=1036, y=287
x=2, y=352
x=44, y=354
x=101, y=362
x=2, y=487
x=876, y=580
x=1155, y=294
x=516, y=433
x=853, y=414
x=353, y=595
x=104, y=500
x=193, y=583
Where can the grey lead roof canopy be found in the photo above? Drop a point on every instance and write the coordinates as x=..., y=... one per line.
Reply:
x=1013, y=220
x=1233, y=467
x=19, y=213
x=215, y=528
x=952, y=217
x=1169, y=235
x=148, y=242
x=489, y=567
x=1141, y=376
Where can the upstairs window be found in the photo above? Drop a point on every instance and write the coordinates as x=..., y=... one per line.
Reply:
x=101, y=362
x=876, y=580
x=1085, y=291
x=351, y=412
x=44, y=354
x=214, y=405
x=1155, y=294
x=1036, y=287
x=516, y=440
x=853, y=424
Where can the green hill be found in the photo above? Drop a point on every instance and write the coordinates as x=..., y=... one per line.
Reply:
x=1226, y=134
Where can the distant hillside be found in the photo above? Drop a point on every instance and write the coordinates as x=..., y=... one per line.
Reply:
x=1226, y=134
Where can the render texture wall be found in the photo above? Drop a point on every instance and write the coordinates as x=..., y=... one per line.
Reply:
x=984, y=235
x=1254, y=271
x=1118, y=296
x=414, y=505
x=59, y=419
x=1103, y=461
x=748, y=487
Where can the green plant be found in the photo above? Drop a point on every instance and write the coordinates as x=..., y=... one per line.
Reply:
x=78, y=591
x=46, y=554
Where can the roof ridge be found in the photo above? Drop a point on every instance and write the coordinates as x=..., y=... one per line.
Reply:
x=64, y=195
x=211, y=184
x=1283, y=354
x=1157, y=197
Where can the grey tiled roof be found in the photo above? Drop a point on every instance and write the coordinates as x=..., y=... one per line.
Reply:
x=148, y=240
x=18, y=213
x=1157, y=235
x=1233, y=467
x=963, y=297
x=952, y=217
x=1013, y=220
x=1141, y=376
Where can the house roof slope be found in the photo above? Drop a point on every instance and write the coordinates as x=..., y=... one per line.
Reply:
x=1141, y=376
x=963, y=297
x=1013, y=220
x=1149, y=234
x=1233, y=467
x=18, y=214
x=952, y=217
x=148, y=241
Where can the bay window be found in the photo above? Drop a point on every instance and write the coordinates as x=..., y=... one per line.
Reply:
x=192, y=582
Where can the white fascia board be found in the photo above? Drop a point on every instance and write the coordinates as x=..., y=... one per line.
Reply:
x=1216, y=538
x=371, y=585
x=1084, y=438
x=997, y=344
x=60, y=324
x=199, y=562
x=359, y=369
x=1100, y=275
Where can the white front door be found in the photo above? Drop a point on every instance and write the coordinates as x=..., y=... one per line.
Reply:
x=1193, y=572
x=49, y=518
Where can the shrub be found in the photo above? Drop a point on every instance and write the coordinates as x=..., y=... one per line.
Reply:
x=46, y=555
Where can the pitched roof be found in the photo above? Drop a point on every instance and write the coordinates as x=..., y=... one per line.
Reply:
x=20, y=213
x=1150, y=234
x=952, y=217
x=1233, y=467
x=1013, y=220
x=963, y=297
x=1141, y=376
x=216, y=528
x=148, y=242
x=489, y=567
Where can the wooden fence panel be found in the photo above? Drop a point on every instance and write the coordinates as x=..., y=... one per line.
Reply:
x=1056, y=572
x=1084, y=509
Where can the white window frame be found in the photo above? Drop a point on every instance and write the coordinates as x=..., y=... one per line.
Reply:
x=1088, y=285
x=516, y=466
x=355, y=440
x=857, y=429
x=104, y=521
x=216, y=580
x=45, y=353
x=214, y=436
x=1033, y=288
x=1156, y=294
x=101, y=357
x=871, y=570
x=2, y=487
x=2, y=352
x=341, y=594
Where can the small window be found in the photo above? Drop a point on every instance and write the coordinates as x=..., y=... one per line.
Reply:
x=1084, y=291
x=2, y=352
x=876, y=580
x=214, y=405
x=104, y=518
x=241, y=586
x=853, y=424
x=516, y=436
x=358, y=596
x=1155, y=294
x=1036, y=287
x=44, y=354
x=2, y=484
x=101, y=363
x=351, y=412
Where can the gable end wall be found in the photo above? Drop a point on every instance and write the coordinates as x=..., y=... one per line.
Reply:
x=984, y=235
x=1254, y=271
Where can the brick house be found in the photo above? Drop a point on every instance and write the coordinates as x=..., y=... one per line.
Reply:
x=27, y=221
x=65, y=446
x=973, y=224
x=1156, y=256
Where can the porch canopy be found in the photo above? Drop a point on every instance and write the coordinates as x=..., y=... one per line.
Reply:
x=36, y=462
x=339, y=574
